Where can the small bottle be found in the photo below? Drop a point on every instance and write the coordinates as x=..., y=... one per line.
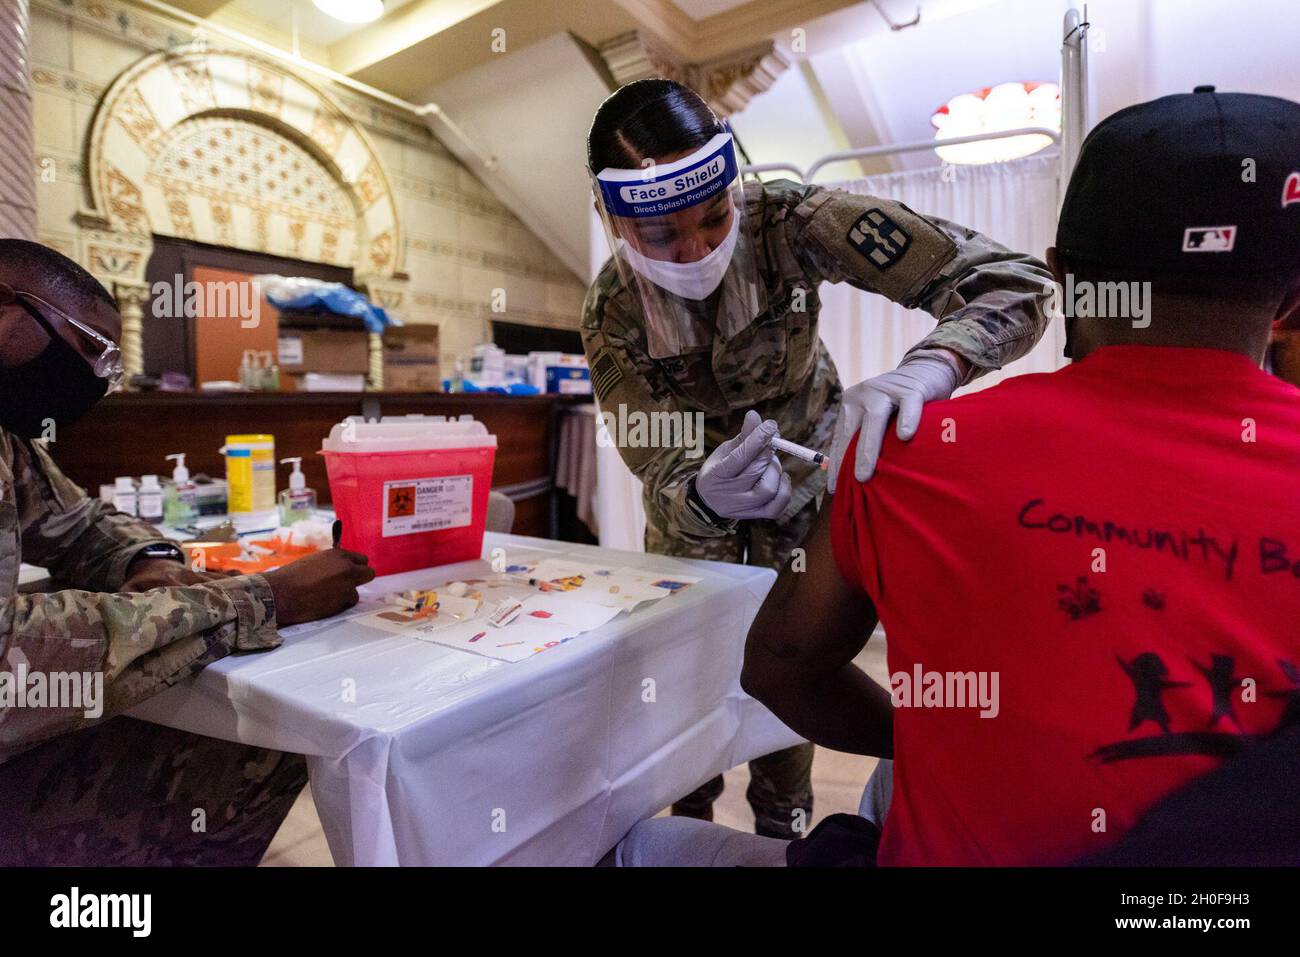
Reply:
x=248, y=370
x=181, y=499
x=297, y=501
x=150, y=499
x=124, y=494
x=263, y=371
x=272, y=373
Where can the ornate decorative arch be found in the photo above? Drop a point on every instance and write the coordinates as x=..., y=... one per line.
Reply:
x=169, y=96
x=233, y=149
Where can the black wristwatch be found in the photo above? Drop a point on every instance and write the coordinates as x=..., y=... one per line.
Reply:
x=702, y=511
x=165, y=550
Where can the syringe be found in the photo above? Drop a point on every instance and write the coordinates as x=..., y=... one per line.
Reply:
x=798, y=451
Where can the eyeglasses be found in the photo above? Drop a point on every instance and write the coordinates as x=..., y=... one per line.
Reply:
x=109, y=363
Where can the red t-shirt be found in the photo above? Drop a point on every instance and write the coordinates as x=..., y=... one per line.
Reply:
x=976, y=541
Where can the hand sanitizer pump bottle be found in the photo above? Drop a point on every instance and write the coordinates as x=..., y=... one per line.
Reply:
x=181, y=499
x=297, y=501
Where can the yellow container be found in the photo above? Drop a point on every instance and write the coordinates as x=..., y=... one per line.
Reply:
x=250, y=472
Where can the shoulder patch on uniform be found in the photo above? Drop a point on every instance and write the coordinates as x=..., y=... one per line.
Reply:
x=605, y=374
x=881, y=240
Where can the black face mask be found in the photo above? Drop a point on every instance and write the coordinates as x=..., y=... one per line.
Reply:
x=57, y=385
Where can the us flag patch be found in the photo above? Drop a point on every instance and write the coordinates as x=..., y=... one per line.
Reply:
x=605, y=375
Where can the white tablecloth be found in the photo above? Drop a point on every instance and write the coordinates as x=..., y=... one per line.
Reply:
x=421, y=754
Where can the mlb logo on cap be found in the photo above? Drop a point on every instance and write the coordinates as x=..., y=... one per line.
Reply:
x=1209, y=239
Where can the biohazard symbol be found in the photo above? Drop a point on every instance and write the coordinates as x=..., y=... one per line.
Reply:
x=401, y=501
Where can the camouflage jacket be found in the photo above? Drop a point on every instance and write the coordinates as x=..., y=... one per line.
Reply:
x=988, y=300
x=140, y=643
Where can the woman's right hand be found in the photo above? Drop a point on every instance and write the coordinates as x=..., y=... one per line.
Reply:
x=742, y=478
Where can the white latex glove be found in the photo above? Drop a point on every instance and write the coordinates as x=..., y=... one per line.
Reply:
x=868, y=405
x=742, y=478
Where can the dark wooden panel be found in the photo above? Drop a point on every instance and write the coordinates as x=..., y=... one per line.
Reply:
x=171, y=342
x=130, y=433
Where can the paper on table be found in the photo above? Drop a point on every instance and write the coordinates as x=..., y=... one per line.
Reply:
x=522, y=638
x=563, y=574
x=627, y=588
x=449, y=611
x=564, y=611
x=617, y=587
x=581, y=597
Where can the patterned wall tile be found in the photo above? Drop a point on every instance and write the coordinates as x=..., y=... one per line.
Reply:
x=265, y=90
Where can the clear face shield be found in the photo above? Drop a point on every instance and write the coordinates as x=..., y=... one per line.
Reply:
x=682, y=246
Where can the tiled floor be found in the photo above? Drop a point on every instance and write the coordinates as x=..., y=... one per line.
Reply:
x=838, y=781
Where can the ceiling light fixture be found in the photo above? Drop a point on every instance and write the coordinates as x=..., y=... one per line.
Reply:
x=1007, y=106
x=352, y=11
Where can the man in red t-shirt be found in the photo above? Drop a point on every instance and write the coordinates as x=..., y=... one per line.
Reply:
x=1089, y=580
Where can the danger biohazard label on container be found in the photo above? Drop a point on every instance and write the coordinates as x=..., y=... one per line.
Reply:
x=427, y=505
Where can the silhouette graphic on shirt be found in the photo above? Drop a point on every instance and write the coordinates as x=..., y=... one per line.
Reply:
x=1222, y=684
x=1148, y=673
x=1078, y=601
x=1151, y=680
x=1291, y=710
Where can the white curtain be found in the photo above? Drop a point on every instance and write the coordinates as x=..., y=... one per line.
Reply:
x=620, y=515
x=1015, y=203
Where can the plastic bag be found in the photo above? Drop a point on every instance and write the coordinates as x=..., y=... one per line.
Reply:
x=300, y=292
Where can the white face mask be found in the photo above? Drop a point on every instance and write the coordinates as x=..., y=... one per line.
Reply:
x=694, y=280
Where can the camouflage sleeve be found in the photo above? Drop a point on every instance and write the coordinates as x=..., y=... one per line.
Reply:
x=78, y=539
x=989, y=300
x=118, y=648
x=625, y=382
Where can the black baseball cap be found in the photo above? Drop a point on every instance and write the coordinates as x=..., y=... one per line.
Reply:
x=1201, y=182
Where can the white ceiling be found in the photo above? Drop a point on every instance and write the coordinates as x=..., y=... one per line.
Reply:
x=531, y=109
x=314, y=27
x=881, y=86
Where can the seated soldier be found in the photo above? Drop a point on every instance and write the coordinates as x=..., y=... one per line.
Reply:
x=78, y=785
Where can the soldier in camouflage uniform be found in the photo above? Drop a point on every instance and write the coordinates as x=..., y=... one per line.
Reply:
x=77, y=786
x=721, y=361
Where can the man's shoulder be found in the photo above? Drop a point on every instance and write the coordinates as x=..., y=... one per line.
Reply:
x=1009, y=405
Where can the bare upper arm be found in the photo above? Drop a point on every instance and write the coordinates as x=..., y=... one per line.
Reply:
x=812, y=621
